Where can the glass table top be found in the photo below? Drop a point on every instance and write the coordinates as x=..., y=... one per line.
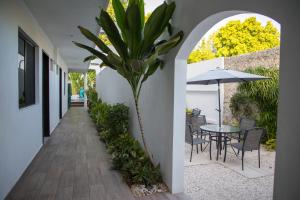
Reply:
x=223, y=129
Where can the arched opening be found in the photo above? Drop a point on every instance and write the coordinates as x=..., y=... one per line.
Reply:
x=181, y=75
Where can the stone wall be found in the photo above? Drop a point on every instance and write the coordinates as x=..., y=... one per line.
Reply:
x=266, y=58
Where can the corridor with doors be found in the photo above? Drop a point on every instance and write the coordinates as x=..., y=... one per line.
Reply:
x=74, y=164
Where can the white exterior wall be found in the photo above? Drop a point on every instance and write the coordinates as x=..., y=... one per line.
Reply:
x=113, y=88
x=195, y=18
x=163, y=98
x=21, y=129
x=205, y=97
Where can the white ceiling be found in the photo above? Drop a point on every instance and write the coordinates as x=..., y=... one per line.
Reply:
x=60, y=18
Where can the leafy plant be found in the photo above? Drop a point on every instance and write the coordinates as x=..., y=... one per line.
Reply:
x=262, y=95
x=92, y=97
x=242, y=106
x=127, y=155
x=235, y=38
x=203, y=52
x=116, y=120
x=130, y=159
x=136, y=43
x=271, y=144
x=77, y=81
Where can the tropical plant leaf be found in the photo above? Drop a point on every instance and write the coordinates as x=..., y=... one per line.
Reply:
x=90, y=58
x=166, y=46
x=113, y=34
x=138, y=52
x=120, y=17
x=142, y=12
x=152, y=68
x=152, y=28
x=134, y=32
x=114, y=59
x=170, y=29
x=89, y=35
x=168, y=14
x=96, y=53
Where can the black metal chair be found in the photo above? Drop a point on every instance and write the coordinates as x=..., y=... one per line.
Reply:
x=193, y=136
x=196, y=112
x=201, y=120
x=244, y=124
x=250, y=142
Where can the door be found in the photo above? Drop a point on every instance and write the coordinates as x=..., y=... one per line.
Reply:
x=46, y=113
x=60, y=93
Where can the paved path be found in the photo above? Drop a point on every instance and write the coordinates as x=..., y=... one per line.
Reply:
x=73, y=164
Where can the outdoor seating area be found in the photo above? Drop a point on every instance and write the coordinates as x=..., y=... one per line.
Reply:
x=226, y=154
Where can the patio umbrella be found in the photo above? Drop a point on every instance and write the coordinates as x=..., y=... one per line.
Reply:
x=219, y=75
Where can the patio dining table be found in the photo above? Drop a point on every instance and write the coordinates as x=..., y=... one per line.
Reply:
x=220, y=131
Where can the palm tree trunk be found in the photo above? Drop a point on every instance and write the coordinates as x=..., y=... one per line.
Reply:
x=142, y=129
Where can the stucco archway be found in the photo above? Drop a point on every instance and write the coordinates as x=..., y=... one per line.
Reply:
x=180, y=72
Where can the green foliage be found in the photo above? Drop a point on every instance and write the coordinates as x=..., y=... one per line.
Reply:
x=91, y=75
x=262, y=95
x=111, y=118
x=111, y=13
x=92, y=97
x=116, y=119
x=237, y=38
x=189, y=111
x=242, y=106
x=136, y=43
x=203, y=52
x=130, y=159
x=271, y=144
x=127, y=155
x=77, y=80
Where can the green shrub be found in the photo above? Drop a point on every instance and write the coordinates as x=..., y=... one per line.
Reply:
x=92, y=97
x=116, y=119
x=130, y=159
x=259, y=98
x=111, y=118
x=271, y=144
x=127, y=155
x=242, y=106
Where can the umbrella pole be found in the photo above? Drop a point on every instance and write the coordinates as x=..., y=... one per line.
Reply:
x=219, y=103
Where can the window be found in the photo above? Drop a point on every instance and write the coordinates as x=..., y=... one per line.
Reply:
x=26, y=70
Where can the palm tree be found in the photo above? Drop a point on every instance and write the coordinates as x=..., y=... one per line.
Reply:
x=136, y=43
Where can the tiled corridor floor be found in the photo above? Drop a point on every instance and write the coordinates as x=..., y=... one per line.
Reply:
x=73, y=164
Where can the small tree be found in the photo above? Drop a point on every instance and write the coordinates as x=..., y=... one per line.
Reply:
x=259, y=99
x=138, y=52
x=237, y=38
x=203, y=52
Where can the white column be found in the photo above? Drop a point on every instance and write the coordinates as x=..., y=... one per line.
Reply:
x=85, y=89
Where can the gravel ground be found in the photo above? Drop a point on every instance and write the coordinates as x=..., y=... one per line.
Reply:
x=214, y=180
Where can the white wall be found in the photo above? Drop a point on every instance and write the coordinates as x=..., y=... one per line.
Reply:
x=20, y=129
x=163, y=97
x=54, y=95
x=113, y=88
x=195, y=18
x=205, y=97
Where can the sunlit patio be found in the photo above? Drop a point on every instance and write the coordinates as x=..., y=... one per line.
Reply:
x=211, y=179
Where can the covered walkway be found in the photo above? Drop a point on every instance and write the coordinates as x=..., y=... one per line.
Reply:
x=73, y=164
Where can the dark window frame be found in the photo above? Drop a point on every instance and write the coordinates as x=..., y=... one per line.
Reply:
x=30, y=73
